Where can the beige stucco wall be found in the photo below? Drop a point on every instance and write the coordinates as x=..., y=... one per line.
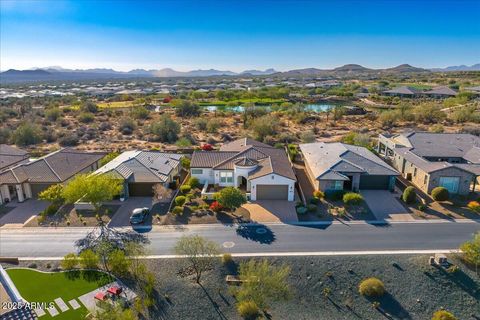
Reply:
x=433, y=179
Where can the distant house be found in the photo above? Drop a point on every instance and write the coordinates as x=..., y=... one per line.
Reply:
x=474, y=90
x=431, y=160
x=142, y=170
x=440, y=92
x=10, y=156
x=404, y=92
x=264, y=172
x=339, y=166
x=28, y=178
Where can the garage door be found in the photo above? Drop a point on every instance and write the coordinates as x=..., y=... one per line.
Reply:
x=140, y=189
x=37, y=188
x=272, y=192
x=374, y=182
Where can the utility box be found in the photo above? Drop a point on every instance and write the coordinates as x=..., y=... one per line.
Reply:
x=441, y=259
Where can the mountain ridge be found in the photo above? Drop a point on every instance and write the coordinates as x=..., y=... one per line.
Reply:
x=59, y=73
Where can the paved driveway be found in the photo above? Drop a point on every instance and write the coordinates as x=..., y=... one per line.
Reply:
x=122, y=216
x=272, y=211
x=22, y=211
x=385, y=206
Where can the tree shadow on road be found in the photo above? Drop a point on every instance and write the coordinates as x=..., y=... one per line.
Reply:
x=258, y=233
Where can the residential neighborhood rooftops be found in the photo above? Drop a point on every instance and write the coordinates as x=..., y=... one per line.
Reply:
x=403, y=90
x=245, y=152
x=55, y=167
x=427, y=144
x=10, y=155
x=142, y=166
x=442, y=90
x=327, y=160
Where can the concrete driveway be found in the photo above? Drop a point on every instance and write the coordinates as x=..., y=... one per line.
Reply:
x=22, y=211
x=122, y=216
x=272, y=211
x=385, y=206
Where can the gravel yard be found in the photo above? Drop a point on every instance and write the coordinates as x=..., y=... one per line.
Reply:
x=414, y=289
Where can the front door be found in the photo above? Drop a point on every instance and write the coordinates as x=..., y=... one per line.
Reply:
x=450, y=183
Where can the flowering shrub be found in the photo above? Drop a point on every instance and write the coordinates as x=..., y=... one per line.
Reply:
x=215, y=206
x=474, y=206
x=207, y=147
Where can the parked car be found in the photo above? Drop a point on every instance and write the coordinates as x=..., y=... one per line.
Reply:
x=139, y=215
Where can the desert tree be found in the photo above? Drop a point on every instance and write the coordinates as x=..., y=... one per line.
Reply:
x=199, y=252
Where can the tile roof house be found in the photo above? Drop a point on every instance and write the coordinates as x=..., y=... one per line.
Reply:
x=440, y=92
x=264, y=172
x=410, y=92
x=402, y=91
x=10, y=156
x=339, y=166
x=142, y=170
x=28, y=178
x=429, y=160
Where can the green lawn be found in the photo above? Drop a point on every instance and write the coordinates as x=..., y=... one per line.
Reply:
x=115, y=104
x=36, y=286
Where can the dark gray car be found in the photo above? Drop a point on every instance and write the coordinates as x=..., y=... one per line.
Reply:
x=139, y=215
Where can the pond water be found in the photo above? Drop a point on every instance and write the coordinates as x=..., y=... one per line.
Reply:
x=316, y=107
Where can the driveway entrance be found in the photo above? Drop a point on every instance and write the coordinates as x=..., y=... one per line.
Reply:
x=122, y=216
x=271, y=211
x=385, y=206
x=22, y=211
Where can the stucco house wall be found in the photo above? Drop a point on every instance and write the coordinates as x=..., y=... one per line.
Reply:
x=273, y=179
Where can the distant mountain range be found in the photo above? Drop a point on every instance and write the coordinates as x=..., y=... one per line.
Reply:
x=59, y=73
x=474, y=67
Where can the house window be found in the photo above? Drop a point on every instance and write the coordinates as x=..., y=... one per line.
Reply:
x=226, y=176
x=415, y=172
x=197, y=171
x=425, y=179
x=338, y=185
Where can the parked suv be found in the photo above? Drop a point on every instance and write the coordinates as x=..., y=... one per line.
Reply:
x=139, y=215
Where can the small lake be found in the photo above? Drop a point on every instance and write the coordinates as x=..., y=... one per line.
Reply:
x=316, y=107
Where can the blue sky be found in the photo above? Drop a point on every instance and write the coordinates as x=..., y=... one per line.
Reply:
x=238, y=35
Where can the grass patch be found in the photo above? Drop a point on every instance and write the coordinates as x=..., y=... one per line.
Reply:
x=36, y=286
x=115, y=104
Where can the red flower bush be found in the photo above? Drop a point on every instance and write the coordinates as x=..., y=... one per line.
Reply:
x=215, y=206
x=207, y=147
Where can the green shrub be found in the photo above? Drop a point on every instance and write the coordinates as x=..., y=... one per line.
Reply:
x=314, y=200
x=227, y=258
x=352, y=198
x=185, y=189
x=302, y=210
x=193, y=182
x=422, y=207
x=311, y=208
x=443, y=315
x=86, y=117
x=248, y=309
x=50, y=210
x=409, y=195
x=69, y=262
x=180, y=200
x=371, y=287
x=177, y=210
x=440, y=194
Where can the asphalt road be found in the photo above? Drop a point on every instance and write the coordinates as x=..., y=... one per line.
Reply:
x=281, y=238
